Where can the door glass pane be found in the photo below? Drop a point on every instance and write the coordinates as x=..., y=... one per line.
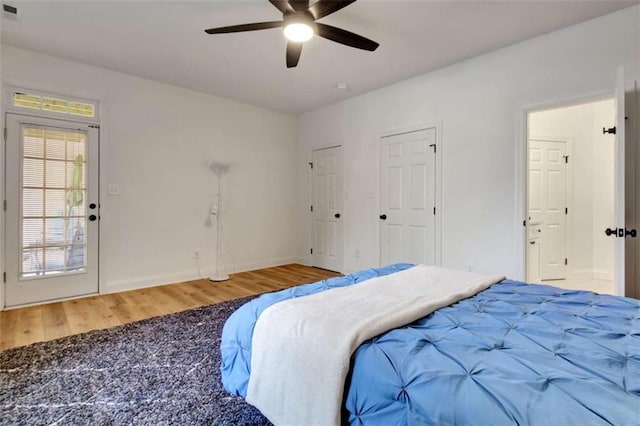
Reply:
x=55, y=174
x=53, y=208
x=32, y=202
x=32, y=143
x=33, y=172
x=55, y=202
x=32, y=232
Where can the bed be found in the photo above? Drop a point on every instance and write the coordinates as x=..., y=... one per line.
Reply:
x=514, y=353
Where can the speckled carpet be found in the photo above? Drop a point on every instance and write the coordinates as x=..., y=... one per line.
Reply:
x=160, y=371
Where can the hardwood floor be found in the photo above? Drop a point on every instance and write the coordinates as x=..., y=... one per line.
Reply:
x=23, y=326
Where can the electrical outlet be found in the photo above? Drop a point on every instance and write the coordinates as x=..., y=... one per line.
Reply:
x=196, y=254
x=113, y=189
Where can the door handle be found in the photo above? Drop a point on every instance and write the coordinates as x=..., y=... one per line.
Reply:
x=610, y=131
x=619, y=232
x=92, y=206
x=93, y=217
x=383, y=216
x=337, y=215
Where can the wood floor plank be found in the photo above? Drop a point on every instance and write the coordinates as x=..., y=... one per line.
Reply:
x=54, y=317
x=24, y=326
x=29, y=326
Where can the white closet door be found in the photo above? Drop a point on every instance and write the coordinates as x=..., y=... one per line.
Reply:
x=407, y=198
x=327, y=243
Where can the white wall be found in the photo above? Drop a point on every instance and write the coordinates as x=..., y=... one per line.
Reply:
x=481, y=103
x=156, y=142
x=591, y=179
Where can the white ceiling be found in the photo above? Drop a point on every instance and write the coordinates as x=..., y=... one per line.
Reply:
x=165, y=41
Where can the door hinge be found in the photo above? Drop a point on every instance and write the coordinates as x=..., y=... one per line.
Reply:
x=433, y=145
x=311, y=208
x=566, y=210
x=311, y=165
x=4, y=277
x=434, y=211
x=5, y=134
x=566, y=262
x=311, y=251
x=4, y=205
x=566, y=159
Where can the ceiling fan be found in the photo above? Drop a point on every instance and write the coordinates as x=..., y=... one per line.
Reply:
x=299, y=23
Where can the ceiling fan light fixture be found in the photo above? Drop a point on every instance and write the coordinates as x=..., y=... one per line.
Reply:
x=298, y=32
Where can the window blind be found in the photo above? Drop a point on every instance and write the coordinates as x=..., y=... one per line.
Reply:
x=53, y=193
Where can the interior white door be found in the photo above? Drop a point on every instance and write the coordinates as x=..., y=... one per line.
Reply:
x=619, y=182
x=407, y=198
x=326, y=250
x=52, y=209
x=548, y=203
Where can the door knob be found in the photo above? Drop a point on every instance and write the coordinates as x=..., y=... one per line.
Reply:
x=93, y=217
x=616, y=232
x=611, y=131
x=633, y=233
x=92, y=206
x=383, y=216
x=337, y=215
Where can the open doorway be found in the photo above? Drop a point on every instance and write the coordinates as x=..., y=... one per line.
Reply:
x=571, y=187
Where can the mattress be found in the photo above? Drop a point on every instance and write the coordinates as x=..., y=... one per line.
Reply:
x=515, y=353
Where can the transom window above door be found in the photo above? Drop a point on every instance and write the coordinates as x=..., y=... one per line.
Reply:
x=50, y=104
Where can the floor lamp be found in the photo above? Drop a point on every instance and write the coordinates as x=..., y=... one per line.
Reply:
x=218, y=169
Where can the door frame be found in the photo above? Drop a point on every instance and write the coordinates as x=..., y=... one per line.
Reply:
x=5, y=249
x=341, y=195
x=100, y=120
x=522, y=166
x=568, y=182
x=410, y=128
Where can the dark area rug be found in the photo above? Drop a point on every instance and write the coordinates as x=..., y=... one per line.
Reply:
x=160, y=371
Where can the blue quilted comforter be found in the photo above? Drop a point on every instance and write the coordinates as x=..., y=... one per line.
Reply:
x=515, y=353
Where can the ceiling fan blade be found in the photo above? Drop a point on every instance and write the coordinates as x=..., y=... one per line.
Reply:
x=323, y=8
x=245, y=27
x=299, y=5
x=293, y=53
x=283, y=6
x=345, y=37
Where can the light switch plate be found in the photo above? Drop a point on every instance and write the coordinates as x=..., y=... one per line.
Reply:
x=113, y=189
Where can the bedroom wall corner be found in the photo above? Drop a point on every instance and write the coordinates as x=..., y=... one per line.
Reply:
x=157, y=142
x=479, y=100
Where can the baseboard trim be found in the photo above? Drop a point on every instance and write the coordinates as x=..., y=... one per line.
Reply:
x=589, y=274
x=601, y=274
x=580, y=274
x=160, y=280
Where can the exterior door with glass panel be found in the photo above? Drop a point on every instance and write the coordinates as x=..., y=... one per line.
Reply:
x=52, y=209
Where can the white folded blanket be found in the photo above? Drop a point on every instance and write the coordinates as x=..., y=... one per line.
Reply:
x=302, y=347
